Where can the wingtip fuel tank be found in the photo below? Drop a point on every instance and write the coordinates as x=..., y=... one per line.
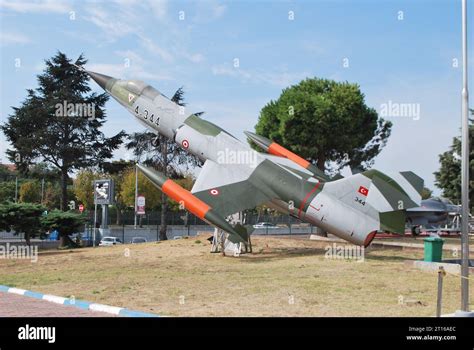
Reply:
x=275, y=149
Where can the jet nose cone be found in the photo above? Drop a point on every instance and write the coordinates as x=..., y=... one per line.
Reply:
x=100, y=79
x=259, y=140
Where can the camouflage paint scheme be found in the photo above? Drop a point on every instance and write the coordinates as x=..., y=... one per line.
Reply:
x=235, y=177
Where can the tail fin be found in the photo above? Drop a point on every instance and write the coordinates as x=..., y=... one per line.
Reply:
x=399, y=191
x=380, y=196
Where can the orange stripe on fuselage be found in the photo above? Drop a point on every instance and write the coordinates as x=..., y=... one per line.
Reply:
x=191, y=202
x=281, y=151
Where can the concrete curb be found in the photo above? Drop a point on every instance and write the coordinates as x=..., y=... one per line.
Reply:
x=81, y=304
x=434, y=266
x=381, y=244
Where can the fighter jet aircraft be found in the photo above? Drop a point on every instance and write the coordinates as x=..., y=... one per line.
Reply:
x=434, y=212
x=235, y=177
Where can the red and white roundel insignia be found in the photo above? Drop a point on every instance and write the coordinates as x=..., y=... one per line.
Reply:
x=363, y=191
x=214, y=192
x=185, y=143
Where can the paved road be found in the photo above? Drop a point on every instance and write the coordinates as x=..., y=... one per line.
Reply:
x=13, y=305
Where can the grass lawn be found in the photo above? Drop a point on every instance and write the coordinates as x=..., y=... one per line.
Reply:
x=283, y=277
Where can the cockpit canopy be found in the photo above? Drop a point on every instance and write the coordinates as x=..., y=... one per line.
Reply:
x=138, y=87
x=135, y=86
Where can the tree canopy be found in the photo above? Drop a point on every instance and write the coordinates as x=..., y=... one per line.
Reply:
x=59, y=123
x=22, y=218
x=448, y=177
x=325, y=121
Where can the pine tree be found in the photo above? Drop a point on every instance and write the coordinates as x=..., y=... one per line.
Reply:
x=59, y=123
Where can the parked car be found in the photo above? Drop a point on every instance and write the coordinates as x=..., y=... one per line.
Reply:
x=108, y=241
x=137, y=240
x=268, y=225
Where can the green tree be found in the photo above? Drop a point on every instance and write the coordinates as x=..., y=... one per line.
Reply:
x=43, y=171
x=66, y=223
x=164, y=155
x=22, y=218
x=7, y=191
x=30, y=192
x=84, y=188
x=145, y=187
x=6, y=174
x=7, y=184
x=448, y=178
x=426, y=193
x=59, y=123
x=325, y=121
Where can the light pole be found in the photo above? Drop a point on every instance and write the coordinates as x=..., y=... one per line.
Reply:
x=464, y=169
x=136, y=195
x=16, y=189
x=42, y=190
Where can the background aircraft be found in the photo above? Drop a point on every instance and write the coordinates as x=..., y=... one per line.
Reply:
x=433, y=213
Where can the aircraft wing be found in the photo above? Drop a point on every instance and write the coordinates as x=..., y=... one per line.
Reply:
x=288, y=165
x=294, y=167
x=228, y=189
x=425, y=210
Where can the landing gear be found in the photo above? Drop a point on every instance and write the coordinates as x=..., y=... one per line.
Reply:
x=416, y=230
x=220, y=244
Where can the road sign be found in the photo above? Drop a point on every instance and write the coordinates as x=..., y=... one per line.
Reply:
x=140, y=205
x=81, y=208
x=103, y=191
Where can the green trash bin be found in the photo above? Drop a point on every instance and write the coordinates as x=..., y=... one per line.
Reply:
x=433, y=249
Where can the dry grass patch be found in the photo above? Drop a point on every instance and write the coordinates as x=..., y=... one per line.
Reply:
x=284, y=277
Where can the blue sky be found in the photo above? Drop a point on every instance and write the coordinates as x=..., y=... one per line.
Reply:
x=398, y=51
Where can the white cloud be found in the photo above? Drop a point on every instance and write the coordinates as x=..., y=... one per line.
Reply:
x=235, y=115
x=315, y=48
x=132, y=56
x=125, y=21
x=120, y=71
x=113, y=27
x=38, y=6
x=39, y=67
x=279, y=79
x=196, y=58
x=155, y=49
x=208, y=10
x=415, y=144
x=159, y=8
x=218, y=10
x=9, y=38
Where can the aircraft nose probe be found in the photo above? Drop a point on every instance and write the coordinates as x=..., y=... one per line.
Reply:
x=100, y=79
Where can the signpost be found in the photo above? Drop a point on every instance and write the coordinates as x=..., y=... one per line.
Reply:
x=141, y=205
x=81, y=208
x=103, y=195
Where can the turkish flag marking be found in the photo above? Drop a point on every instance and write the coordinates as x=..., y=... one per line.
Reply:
x=363, y=191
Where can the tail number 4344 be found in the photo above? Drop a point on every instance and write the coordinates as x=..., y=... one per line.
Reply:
x=146, y=115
